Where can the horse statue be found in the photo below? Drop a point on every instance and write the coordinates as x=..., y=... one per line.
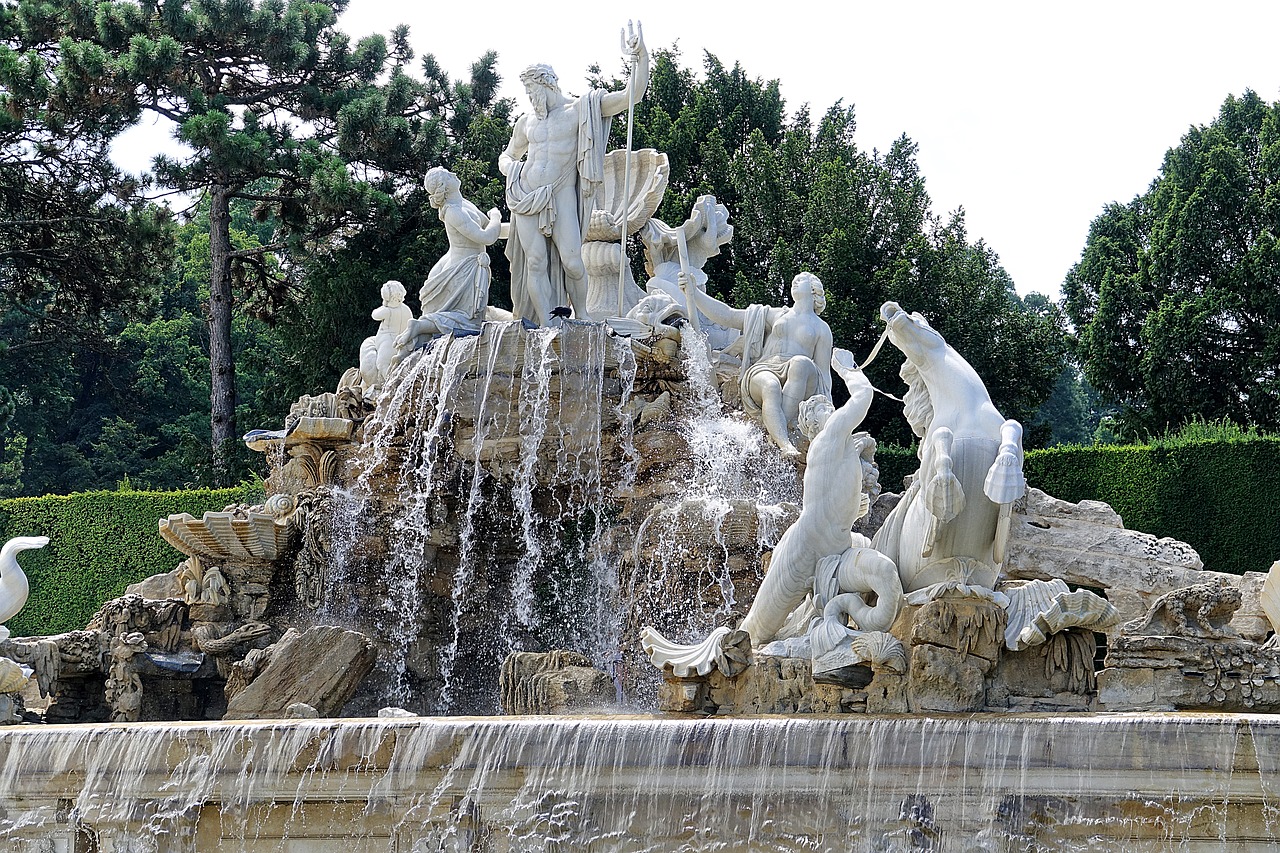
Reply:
x=951, y=527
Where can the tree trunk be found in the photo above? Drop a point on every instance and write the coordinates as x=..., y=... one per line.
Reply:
x=222, y=398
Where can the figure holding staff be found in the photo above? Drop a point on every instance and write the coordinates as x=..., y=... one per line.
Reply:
x=554, y=166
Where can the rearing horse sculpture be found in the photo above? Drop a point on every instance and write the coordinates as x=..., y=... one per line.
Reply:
x=950, y=529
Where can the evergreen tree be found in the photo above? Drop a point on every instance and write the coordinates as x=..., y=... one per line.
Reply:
x=1176, y=297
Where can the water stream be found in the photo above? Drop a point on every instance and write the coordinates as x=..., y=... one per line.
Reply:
x=484, y=468
x=1104, y=783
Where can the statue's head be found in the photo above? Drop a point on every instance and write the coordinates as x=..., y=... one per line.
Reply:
x=439, y=183
x=716, y=230
x=393, y=292
x=870, y=470
x=807, y=283
x=540, y=82
x=814, y=413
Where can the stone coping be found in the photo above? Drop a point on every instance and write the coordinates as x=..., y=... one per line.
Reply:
x=1142, y=779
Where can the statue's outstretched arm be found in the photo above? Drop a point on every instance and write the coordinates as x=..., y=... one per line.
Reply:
x=617, y=102
x=849, y=417
x=466, y=225
x=716, y=311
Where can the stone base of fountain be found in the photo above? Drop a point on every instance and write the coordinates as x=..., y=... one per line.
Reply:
x=1099, y=782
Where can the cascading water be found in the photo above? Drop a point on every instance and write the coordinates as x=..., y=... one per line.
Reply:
x=738, y=492
x=1132, y=783
x=484, y=469
x=424, y=394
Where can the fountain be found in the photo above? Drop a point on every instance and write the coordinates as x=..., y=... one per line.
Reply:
x=632, y=520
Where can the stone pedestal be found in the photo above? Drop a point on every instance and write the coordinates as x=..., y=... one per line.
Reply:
x=952, y=644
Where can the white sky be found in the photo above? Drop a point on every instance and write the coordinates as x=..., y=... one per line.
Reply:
x=1030, y=115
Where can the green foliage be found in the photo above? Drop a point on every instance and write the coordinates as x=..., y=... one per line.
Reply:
x=100, y=542
x=1199, y=430
x=1211, y=486
x=278, y=107
x=803, y=196
x=1175, y=296
x=895, y=464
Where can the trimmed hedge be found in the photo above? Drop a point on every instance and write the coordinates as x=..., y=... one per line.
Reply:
x=100, y=542
x=1220, y=497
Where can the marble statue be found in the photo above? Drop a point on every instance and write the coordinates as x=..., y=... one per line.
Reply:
x=786, y=353
x=378, y=351
x=687, y=248
x=950, y=529
x=833, y=501
x=455, y=295
x=554, y=165
x=14, y=588
x=632, y=188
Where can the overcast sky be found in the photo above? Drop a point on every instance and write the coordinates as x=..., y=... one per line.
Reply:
x=1031, y=116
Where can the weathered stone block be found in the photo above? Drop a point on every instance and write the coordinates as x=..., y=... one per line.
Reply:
x=1054, y=671
x=946, y=680
x=684, y=696
x=887, y=694
x=322, y=667
x=557, y=682
x=1127, y=689
x=968, y=625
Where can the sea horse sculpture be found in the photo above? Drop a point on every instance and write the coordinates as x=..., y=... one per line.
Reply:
x=950, y=529
x=14, y=587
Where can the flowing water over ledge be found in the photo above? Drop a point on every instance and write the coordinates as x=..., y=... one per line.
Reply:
x=1185, y=782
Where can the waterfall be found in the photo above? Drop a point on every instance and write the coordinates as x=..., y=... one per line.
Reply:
x=484, y=469
x=738, y=491
x=1128, y=783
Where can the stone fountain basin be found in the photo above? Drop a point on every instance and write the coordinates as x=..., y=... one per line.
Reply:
x=1089, y=782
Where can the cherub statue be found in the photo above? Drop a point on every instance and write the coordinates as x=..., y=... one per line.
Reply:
x=377, y=351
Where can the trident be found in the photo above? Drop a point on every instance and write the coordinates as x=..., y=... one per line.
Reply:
x=626, y=168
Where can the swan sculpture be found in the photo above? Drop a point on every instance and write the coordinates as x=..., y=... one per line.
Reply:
x=14, y=588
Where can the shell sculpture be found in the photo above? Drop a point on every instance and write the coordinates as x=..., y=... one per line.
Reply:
x=1039, y=609
x=13, y=677
x=650, y=171
x=255, y=536
x=881, y=651
x=14, y=587
x=683, y=660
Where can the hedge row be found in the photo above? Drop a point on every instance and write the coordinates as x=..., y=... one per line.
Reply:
x=100, y=542
x=1218, y=496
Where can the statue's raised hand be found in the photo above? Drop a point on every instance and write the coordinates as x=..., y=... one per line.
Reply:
x=847, y=368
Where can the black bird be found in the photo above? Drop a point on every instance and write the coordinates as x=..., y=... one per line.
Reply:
x=562, y=312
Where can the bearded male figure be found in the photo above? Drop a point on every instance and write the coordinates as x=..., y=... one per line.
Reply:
x=554, y=166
